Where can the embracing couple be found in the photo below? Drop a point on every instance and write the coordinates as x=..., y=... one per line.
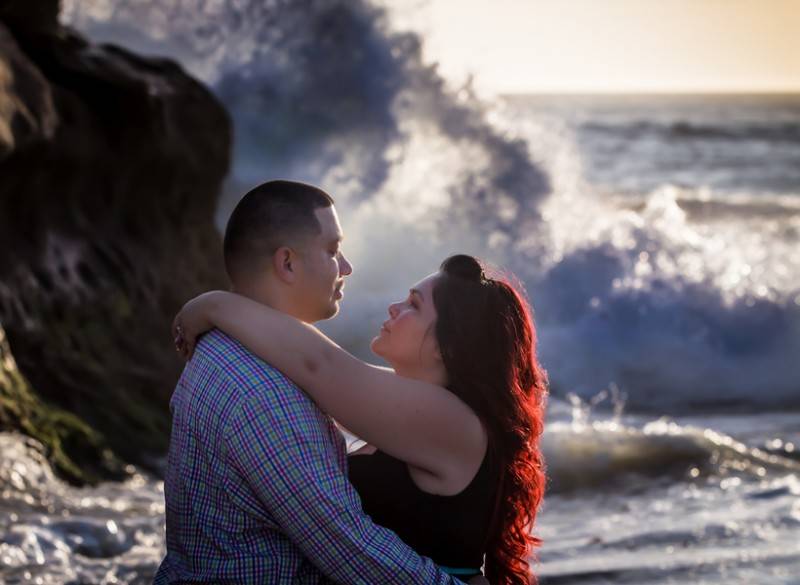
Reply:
x=259, y=487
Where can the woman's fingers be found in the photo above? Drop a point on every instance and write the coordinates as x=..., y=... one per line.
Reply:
x=188, y=347
x=177, y=327
x=186, y=338
x=183, y=345
x=190, y=322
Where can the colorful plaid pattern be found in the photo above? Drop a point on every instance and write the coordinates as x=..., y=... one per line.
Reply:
x=256, y=488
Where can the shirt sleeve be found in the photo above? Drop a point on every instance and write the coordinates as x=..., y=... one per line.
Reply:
x=280, y=447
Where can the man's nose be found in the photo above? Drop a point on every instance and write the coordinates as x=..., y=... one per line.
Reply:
x=393, y=310
x=345, y=268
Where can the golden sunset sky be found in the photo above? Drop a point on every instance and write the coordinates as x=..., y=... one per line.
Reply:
x=517, y=46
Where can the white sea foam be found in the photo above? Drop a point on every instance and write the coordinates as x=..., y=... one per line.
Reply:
x=51, y=532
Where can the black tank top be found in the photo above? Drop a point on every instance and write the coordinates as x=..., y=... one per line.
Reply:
x=451, y=530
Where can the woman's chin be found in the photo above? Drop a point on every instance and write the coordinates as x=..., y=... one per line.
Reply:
x=375, y=346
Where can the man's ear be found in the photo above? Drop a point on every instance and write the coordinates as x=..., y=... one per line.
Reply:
x=284, y=263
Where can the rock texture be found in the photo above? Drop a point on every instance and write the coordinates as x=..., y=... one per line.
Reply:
x=110, y=167
x=75, y=451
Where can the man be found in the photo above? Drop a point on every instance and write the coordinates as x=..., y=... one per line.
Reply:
x=256, y=488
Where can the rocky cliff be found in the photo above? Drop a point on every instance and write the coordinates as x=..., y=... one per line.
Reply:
x=110, y=167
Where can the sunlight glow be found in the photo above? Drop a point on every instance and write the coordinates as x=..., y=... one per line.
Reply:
x=517, y=46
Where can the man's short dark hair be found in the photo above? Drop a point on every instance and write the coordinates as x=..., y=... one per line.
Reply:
x=274, y=214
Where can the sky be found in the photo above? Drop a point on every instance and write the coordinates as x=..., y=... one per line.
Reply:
x=590, y=46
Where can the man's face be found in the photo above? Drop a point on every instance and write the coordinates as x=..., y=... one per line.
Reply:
x=321, y=268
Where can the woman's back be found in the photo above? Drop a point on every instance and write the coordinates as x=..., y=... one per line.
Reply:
x=452, y=530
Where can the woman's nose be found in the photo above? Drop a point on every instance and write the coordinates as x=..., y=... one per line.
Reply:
x=393, y=310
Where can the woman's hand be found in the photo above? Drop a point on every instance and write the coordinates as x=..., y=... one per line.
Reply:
x=192, y=321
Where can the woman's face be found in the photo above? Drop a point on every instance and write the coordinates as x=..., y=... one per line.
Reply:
x=407, y=339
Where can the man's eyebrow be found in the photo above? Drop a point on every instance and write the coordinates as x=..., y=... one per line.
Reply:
x=415, y=291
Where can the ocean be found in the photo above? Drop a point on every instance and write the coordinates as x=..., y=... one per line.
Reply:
x=656, y=236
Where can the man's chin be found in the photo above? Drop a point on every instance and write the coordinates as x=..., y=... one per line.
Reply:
x=331, y=312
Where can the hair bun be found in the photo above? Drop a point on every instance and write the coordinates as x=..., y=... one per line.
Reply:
x=463, y=266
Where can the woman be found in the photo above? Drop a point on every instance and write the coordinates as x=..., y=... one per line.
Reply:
x=453, y=463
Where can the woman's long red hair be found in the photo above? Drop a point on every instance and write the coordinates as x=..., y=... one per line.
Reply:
x=487, y=340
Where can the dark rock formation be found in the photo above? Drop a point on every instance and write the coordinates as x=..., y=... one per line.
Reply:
x=110, y=167
x=76, y=451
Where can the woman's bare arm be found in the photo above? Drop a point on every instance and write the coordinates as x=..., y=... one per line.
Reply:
x=420, y=423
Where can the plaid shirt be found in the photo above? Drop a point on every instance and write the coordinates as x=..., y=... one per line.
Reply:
x=256, y=488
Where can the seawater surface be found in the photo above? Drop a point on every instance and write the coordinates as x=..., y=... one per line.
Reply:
x=631, y=500
x=51, y=532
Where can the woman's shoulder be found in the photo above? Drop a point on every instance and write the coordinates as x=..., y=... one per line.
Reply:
x=452, y=484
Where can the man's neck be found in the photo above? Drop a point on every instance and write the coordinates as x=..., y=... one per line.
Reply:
x=271, y=296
